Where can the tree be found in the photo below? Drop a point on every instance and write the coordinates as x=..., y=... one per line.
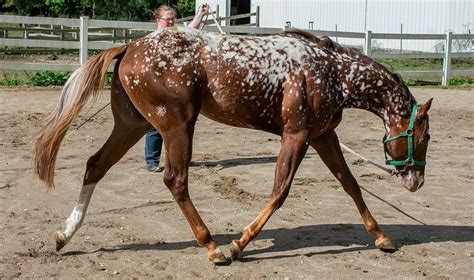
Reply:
x=138, y=10
x=185, y=8
x=26, y=7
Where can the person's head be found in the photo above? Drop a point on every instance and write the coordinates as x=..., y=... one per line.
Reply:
x=165, y=16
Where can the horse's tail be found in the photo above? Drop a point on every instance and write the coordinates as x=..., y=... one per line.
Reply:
x=83, y=83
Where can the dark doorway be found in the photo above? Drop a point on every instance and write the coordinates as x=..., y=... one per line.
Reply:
x=238, y=7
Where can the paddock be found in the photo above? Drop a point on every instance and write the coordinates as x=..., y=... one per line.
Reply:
x=135, y=229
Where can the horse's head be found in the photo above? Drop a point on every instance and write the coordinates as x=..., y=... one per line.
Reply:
x=407, y=144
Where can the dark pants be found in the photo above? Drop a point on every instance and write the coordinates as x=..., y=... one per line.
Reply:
x=153, y=143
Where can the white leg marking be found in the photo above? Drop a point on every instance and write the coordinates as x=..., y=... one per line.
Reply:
x=74, y=222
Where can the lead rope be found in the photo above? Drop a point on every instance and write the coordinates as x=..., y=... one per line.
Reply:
x=388, y=170
x=86, y=121
x=214, y=18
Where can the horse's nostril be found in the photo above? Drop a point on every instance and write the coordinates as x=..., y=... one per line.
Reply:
x=421, y=183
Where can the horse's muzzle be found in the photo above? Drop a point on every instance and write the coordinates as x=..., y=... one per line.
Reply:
x=413, y=180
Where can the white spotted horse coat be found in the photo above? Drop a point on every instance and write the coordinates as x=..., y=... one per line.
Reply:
x=291, y=84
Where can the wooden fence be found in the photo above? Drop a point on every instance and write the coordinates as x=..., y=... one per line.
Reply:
x=85, y=34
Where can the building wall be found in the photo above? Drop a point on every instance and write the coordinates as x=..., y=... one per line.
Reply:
x=382, y=16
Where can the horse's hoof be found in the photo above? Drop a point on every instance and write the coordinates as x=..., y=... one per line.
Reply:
x=217, y=257
x=385, y=244
x=235, y=251
x=60, y=240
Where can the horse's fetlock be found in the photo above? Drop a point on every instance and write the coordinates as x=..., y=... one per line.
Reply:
x=250, y=233
x=371, y=227
x=203, y=237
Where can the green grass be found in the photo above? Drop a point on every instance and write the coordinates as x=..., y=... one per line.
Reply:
x=37, y=78
x=424, y=64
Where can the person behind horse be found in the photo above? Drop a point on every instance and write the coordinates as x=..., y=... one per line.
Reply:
x=165, y=16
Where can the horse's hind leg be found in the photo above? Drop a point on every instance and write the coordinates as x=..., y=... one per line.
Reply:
x=119, y=142
x=330, y=152
x=128, y=129
x=293, y=149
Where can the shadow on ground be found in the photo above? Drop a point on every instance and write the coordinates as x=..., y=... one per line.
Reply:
x=351, y=237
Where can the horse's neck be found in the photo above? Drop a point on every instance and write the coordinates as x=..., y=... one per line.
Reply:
x=372, y=88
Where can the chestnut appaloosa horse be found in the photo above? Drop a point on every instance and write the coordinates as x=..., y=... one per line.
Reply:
x=291, y=84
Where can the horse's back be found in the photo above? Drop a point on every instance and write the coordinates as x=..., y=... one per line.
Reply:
x=240, y=80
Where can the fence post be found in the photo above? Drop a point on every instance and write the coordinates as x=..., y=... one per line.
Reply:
x=61, y=35
x=114, y=35
x=25, y=33
x=83, y=40
x=368, y=43
x=401, y=39
x=447, y=59
x=257, y=17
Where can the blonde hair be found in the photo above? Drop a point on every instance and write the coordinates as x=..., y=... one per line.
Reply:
x=158, y=13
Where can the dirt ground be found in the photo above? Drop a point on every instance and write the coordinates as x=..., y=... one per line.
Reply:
x=135, y=230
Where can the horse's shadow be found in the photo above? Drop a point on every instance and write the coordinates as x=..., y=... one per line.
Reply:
x=317, y=236
x=232, y=162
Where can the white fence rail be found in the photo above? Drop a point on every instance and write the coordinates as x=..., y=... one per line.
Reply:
x=84, y=25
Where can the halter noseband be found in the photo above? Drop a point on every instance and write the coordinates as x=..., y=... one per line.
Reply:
x=409, y=161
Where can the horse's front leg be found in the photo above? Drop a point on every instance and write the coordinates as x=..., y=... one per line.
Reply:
x=328, y=148
x=178, y=144
x=292, y=151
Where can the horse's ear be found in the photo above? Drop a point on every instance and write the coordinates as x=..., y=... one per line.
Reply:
x=397, y=77
x=425, y=107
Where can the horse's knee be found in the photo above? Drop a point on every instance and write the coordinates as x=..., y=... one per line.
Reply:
x=168, y=179
x=178, y=185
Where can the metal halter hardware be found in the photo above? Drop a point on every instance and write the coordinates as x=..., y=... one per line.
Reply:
x=409, y=161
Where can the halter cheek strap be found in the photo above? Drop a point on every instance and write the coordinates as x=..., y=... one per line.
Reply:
x=409, y=161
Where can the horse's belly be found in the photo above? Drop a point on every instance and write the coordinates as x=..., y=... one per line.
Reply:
x=250, y=111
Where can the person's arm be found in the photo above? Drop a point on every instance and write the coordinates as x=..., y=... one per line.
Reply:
x=202, y=11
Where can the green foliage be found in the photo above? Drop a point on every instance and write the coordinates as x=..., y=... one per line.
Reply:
x=139, y=9
x=108, y=79
x=136, y=10
x=461, y=81
x=48, y=78
x=24, y=7
x=185, y=8
x=11, y=83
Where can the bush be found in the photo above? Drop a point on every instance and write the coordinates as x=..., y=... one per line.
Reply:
x=48, y=78
x=11, y=82
x=461, y=81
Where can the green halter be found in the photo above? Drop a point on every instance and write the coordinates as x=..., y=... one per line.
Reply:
x=409, y=161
